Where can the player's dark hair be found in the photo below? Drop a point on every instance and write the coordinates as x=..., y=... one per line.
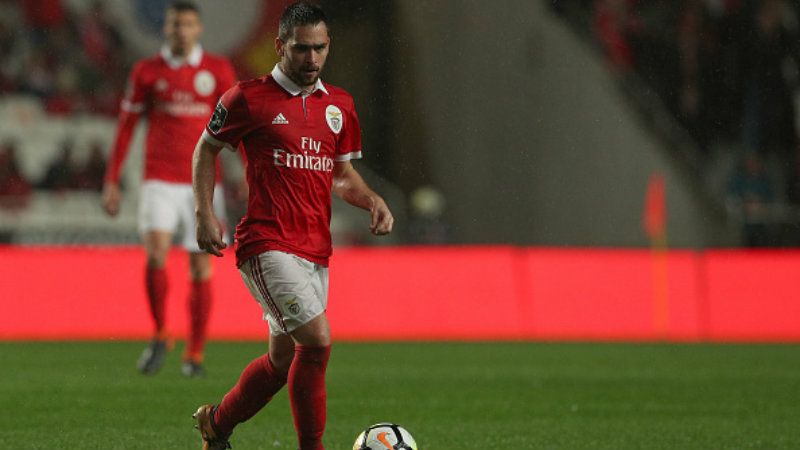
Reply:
x=183, y=5
x=297, y=15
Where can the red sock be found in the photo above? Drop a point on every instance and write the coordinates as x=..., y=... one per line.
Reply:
x=199, y=310
x=156, y=284
x=307, y=394
x=260, y=380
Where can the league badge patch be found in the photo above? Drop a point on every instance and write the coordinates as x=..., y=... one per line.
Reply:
x=218, y=118
x=333, y=115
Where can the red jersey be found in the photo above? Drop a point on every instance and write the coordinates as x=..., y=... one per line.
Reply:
x=178, y=96
x=291, y=141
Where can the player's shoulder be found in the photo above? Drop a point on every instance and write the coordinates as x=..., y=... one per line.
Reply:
x=259, y=86
x=152, y=62
x=252, y=91
x=147, y=69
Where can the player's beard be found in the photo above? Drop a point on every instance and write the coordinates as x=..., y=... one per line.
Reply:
x=302, y=80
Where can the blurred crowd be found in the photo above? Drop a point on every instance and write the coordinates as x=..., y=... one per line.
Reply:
x=63, y=173
x=728, y=71
x=73, y=61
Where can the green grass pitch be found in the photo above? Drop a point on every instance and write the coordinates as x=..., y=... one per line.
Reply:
x=451, y=396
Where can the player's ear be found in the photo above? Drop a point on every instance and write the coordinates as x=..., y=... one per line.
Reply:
x=279, y=47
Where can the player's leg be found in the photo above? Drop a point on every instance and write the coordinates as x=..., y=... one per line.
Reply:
x=307, y=381
x=200, y=267
x=199, y=306
x=157, y=222
x=312, y=350
x=259, y=382
x=156, y=247
x=156, y=244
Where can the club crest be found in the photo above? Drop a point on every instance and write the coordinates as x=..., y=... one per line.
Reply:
x=333, y=115
x=204, y=83
x=293, y=306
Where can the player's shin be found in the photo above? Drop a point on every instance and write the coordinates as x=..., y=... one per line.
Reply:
x=199, y=311
x=156, y=283
x=307, y=394
x=259, y=382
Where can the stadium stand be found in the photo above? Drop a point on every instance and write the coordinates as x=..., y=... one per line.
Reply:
x=718, y=81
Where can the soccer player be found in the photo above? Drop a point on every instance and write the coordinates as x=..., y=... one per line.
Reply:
x=299, y=135
x=177, y=90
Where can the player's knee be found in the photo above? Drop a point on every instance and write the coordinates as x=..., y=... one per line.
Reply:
x=156, y=260
x=281, y=360
x=316, y=333
x=199, y=266
x=316, y=337
x=318, y=341
x=200, y=273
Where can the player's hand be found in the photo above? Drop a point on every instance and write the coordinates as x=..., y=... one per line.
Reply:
x=209, y=234
x=111, y=198
x=381, y=220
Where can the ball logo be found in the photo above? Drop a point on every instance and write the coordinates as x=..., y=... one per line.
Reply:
x=333, y=115
x=384, y=441
x=204, y=83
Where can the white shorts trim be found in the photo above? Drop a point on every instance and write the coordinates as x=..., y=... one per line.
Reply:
x=168, y=207
x=291, y=290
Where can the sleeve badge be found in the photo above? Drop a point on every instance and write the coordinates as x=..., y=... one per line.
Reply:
x=218, y=118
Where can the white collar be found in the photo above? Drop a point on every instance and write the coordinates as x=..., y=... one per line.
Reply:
x=292, y=87
x=193, y=58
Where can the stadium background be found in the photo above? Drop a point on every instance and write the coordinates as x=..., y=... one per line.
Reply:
x=525, y=162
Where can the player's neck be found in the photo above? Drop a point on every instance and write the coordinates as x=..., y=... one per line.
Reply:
x=180, y=52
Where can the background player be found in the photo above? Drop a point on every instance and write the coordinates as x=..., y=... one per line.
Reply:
x=177, y=90
x=299, y=136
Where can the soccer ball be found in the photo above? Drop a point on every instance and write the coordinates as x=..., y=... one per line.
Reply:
x=385, y=436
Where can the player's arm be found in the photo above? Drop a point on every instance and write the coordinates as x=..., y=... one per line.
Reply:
x=111, y=191
x=209, y=230
x=131, y=110
x=348, y=184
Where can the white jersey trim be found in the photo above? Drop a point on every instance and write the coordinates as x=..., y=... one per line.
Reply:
x=290, y=86
x=194, y=58
x=348, y=156
x=127, y=106
x=206, y=136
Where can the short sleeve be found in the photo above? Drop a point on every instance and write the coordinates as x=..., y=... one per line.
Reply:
x=136, y=92
x=230, y=121
x=350, y=136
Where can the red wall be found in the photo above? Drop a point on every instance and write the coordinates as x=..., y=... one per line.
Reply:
x=429, y=293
